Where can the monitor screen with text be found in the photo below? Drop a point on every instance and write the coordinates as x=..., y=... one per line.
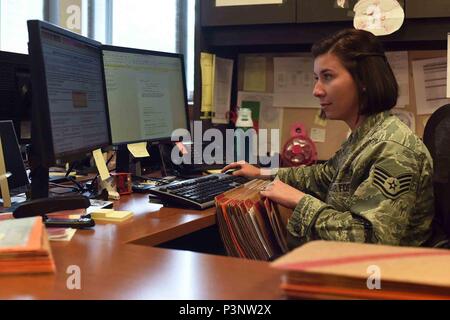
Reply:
x=73, y=93
x=146, y=94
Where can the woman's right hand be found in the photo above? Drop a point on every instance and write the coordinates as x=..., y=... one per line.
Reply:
x=244, y=169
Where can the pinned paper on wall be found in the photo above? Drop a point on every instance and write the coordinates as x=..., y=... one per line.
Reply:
x=398, y=61
x=255, y=74
x=138, y=150
x=318, y=134
x=206, y=63
x=406, y=117
x=430, y=84
x=221, y=82
x=269, y=117
x=318, y=120
x=381, y=17
x=294, y=82
x=227, y=3
x=217, y=74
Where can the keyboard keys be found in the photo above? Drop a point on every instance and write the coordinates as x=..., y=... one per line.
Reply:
x=199, y=192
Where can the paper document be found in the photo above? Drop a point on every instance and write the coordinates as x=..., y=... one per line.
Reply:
x=222, y=79
x=398, y=61
x=294, y=83
x=61, y=234
x=318, y=134
x=206, y=61
x=255, y=74
x=430, y=81
x=138, y=150
x=227, y=3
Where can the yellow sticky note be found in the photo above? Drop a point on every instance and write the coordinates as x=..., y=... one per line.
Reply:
x=207, y=69
x=319, y=121
x=101, y=211
x=139, y=150
x=101, y=165
x=110, y=215
x=255, y=74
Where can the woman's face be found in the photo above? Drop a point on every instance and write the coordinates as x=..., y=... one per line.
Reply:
x=335, y=89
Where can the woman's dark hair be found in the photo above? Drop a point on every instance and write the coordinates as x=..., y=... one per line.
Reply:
x=362, y=54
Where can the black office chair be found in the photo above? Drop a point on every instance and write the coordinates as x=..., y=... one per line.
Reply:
x=437, y=139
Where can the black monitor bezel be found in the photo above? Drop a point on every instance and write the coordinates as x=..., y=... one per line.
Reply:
x=20, y=63
x=153, y=53
x=13, y=159
x=42, y=136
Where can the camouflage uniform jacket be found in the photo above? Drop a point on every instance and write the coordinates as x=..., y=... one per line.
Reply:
x=376, y=189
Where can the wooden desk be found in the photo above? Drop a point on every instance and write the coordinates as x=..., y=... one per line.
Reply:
x=151, y=224
x=114, y=267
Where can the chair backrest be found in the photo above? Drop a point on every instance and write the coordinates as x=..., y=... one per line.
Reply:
x=437, y=139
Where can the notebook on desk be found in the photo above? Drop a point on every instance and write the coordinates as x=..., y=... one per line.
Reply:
x=329, y=269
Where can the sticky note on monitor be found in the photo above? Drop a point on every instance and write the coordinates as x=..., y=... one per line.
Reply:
x=139, y=150
x=101, y=164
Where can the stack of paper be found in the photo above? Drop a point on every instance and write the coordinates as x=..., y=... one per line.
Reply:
x=24, y=247
x=61, y=234
x=251, y=227
x=331, y=270
x=109, y=215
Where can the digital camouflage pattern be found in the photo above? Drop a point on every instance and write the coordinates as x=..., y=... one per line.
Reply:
x=376, y=189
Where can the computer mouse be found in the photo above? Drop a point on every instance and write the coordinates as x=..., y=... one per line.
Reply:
x=230, y=171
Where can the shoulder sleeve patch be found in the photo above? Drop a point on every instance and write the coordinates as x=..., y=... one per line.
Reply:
x=390, y=185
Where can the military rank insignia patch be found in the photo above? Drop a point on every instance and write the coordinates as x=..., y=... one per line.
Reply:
x=392, y=186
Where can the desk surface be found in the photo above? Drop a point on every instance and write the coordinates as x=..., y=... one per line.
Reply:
x=114, y=266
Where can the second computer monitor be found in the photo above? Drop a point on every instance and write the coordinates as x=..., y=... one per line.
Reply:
x=69, y=110
x=146, y=92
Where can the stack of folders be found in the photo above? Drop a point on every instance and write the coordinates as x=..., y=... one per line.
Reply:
x=24, y=247
x=251, y=227
x=338, y=270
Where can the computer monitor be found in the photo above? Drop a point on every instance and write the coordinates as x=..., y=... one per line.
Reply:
x=69, y=114
x=15, y=93
x=70, y=109
x=18, y=181
x=147, y=96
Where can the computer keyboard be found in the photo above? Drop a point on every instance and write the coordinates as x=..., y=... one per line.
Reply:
x=197, y=193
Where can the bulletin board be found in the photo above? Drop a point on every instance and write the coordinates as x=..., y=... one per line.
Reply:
x=336, y=132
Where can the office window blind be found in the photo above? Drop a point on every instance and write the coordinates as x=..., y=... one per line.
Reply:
x=13, y=23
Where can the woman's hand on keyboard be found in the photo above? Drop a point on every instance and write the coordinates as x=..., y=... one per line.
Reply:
x=243, y=169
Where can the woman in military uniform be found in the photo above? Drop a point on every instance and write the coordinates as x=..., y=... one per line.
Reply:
x=378, y=187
